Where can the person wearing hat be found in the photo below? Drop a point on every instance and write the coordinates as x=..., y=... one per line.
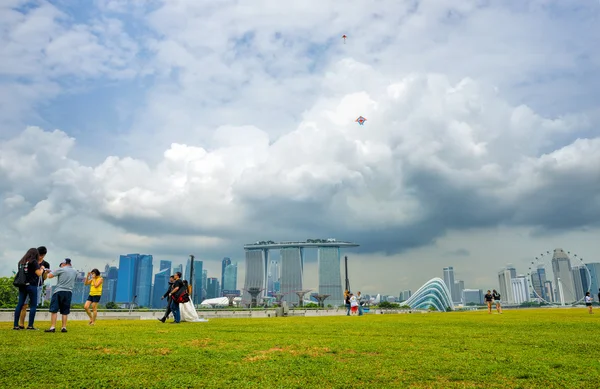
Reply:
x=63, y=291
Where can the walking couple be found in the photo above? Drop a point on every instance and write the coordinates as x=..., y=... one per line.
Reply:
x=180, y=302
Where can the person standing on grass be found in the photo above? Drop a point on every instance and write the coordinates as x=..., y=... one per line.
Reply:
x=174, y=296
x=598, y=296
x=488, y=300
x=497, y=300
x=347, y=301
x=353, y=304
x=63, y=292
x=95, y=281
x=30, y=265
x=166, y=295
x=361, y=302
x=40, y=288
x=588, y=301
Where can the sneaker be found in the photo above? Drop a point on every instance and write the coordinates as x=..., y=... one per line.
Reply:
x=17, y=328
x=162, y=320
x=63, y=330
x=21, y=327
x=32, y=328
x=50, y=330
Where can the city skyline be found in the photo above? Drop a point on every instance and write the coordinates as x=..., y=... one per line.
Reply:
x=132, y=127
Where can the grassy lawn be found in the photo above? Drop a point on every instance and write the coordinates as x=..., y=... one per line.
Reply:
x=537, y=348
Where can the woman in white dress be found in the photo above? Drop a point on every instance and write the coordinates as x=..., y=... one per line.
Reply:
x=187, y=310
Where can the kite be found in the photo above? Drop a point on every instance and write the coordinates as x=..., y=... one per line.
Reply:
x=344, y=37
x=361, y=120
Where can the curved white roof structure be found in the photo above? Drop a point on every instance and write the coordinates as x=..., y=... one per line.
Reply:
x=433, y=293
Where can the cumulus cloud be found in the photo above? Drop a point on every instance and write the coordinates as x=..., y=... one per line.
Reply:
x=246, y=129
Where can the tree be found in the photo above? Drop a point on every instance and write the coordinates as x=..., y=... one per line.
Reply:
x=9, y=295
x=111, y=305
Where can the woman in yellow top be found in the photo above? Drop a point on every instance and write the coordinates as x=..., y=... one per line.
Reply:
x=95, y=281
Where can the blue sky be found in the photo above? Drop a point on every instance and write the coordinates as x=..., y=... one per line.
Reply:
x=176, y=126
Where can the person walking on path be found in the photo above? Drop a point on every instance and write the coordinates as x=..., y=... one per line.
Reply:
x=361, y=302
x=174, y=296
x=63, y=292
x=95, y=281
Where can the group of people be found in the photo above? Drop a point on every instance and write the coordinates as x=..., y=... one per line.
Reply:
x=354, y=303
x=495, y=297
x=179, y=301
x=35, y=270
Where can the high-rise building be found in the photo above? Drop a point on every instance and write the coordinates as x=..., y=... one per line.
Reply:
x=459, y=285
x=128, y=272
x=178, y=268
x=212, y=288
x=538, y=281
x=165, y=265
x=230, y=277
x=549, y=290
x=144, y=280
x=80, y=290
x=472, y=296
x=594, y=269
x=109, y=285
x=292, y=264
x=563, y=276
x=581, y=281
x=330, y=276
x=272, y=277
x=405, y=295
x=449, y=281
x=161, y=285
x=520, y=289
x=256, y=270
x=505, y=284
x=198, y=285
x=224, y=263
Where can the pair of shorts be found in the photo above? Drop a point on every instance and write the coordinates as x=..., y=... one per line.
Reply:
x=61, y=301
x=588, y=304
x=354, y=309
x=94, y=299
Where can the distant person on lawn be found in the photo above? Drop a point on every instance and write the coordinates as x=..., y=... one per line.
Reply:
x=488, y=300
x=95, y=281
x=588, y=301
x=40, y=288
x=174, y=295
x=497, y=300
x=63, y=292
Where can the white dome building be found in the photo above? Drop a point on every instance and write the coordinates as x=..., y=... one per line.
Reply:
x=433, y=293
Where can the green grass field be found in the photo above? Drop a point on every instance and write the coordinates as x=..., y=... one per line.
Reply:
x=534, y=348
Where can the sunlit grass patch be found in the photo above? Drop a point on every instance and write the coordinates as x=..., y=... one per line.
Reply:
x=543, y=348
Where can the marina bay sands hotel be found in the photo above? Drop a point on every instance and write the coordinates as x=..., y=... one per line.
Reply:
x=292, y=267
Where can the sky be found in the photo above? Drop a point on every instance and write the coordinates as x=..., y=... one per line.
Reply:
x=194, y=127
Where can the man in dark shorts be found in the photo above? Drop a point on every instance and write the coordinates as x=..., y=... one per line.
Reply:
x=43, y=251
x=63, y=291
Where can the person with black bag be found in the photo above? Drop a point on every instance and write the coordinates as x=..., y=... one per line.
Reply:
x=166, y=295
x=27, y=280
x=174, y=297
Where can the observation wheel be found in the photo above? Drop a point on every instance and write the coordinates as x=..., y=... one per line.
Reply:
x=559, y=277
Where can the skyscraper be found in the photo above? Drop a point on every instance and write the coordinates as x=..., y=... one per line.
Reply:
x=459, y=286
x=594, y=269
x=144, y=280
x=505, y=284
x=580, y=281
x=165, y=265
x=449, y=281
x=212, y=288
x=538, y=281
x=272, y=277
x=330, y=277
x=161, y=284
x=472, y=296
x=563, y=277
x=230, y=277
x=520, y=289
x=256, y=269
x=178, y=268
x=109, y=285
x=126, y=287
x=292, y=264
x=224, y=263
x=203, y=290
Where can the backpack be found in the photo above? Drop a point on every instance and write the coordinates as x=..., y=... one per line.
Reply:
x=21, y=276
